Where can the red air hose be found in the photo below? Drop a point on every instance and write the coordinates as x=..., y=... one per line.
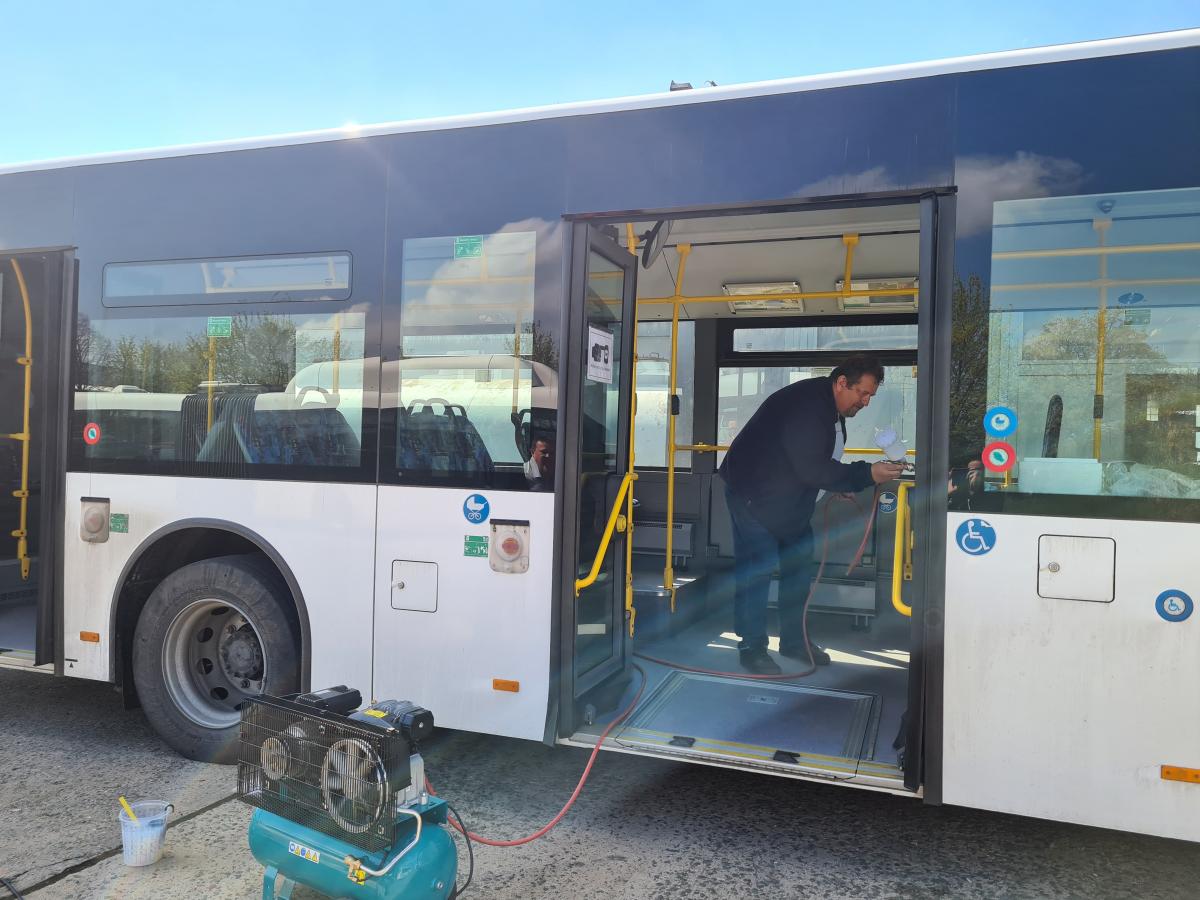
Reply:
x=574, y=794
x=812, y=667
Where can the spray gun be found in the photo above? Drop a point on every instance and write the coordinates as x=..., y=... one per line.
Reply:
x=887, y=440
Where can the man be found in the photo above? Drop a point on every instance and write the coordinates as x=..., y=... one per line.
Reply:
x=966, y=487
x=788, y=452
x=539, y=468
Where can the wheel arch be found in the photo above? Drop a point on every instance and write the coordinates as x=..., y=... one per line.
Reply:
x=157, y=556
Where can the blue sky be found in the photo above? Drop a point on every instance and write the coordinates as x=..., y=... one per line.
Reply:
x=90, y=77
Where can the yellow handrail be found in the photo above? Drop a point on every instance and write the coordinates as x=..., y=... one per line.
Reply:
x=26, y=361
x=903, y=548
x=609, y=528
x=853, y=451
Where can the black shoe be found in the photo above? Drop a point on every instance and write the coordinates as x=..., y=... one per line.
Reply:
x=758, y=661
x=819, y=656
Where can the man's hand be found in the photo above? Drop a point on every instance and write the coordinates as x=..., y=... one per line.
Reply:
x=884, y=471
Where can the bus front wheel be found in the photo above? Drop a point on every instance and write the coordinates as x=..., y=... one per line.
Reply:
x=212, y=635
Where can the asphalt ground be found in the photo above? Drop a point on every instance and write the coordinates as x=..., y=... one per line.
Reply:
x=643, y=828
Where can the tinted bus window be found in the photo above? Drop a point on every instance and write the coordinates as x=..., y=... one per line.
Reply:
x=223, y=394
x=260, y=279
x=1091, y=338
x=475, y=387
x=653, y=393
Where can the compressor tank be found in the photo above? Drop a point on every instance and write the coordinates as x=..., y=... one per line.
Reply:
x=308, y=857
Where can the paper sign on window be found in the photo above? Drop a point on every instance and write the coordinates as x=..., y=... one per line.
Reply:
x=600, y=355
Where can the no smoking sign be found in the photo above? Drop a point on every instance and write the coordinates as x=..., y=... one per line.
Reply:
x=999, y=456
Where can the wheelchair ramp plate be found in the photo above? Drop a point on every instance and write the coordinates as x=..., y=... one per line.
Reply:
x=786, y=727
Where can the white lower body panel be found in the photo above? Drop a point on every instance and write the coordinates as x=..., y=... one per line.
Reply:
x=485, y=630
x=1066, y=709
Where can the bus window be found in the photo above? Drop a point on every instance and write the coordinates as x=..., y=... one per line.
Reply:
x=1091, y=336
x=742, y=389
x=220, y=393
x=653, y=392
x=474, y=389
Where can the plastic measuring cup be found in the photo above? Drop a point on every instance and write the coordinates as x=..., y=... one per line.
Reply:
x=142, y=841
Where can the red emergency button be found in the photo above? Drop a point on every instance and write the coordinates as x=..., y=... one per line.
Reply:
x=510, y=547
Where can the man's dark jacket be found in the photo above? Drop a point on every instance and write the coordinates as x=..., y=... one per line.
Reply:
x=784, y=455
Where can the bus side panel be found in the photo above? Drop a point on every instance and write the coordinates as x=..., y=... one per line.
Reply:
x=325, y=532
x=1067, y=709
x=451, y=632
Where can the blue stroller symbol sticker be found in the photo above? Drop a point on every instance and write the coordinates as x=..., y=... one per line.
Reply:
x=476, y=509
x=975, y=537
x=1000, y=421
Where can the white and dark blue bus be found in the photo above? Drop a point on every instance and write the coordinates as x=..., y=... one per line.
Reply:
x=358, y=408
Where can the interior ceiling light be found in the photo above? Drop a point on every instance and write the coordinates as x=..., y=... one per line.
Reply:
x=752, y=299
x=891, y=302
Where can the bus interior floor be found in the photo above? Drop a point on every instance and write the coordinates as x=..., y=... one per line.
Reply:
x=18, y=626
x=843, y=714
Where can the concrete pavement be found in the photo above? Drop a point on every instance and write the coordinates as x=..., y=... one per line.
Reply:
x=642, y=828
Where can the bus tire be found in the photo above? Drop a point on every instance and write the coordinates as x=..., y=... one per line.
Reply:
x=211, y=635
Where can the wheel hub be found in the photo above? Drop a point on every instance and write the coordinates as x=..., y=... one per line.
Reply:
x=241, y=655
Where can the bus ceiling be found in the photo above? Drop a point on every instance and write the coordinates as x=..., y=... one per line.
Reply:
x=856, y=261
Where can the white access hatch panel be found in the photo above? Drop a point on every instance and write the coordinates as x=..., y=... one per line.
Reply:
x=414, y=585
x=1077, y=568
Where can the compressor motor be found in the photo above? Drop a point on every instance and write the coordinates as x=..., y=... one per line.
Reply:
x=340, y=798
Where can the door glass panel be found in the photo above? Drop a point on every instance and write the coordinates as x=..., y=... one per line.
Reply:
x=602, y=460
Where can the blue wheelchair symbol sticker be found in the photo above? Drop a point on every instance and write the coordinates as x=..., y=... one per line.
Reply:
x=476, y=509
x=887, y=502
x=1131, y=298
x=1000, y=421
x=975, y=537
x=1174, y=605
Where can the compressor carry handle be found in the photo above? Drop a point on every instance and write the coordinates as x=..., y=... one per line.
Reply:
x=340, y=699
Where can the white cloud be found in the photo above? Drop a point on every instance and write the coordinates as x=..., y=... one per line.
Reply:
x=984, y=180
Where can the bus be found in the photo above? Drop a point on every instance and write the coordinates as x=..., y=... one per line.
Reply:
x=357, y=407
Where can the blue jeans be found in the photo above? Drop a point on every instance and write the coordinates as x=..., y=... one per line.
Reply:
x=757, y=555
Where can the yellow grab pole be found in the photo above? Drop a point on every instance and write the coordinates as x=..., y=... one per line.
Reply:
x=851, y=241
x=672, y=399
x=901, y=549
x=1101, y=226
x=609, y=528
x=26, y=361
x=337, y=351
x=630, y=611
x=212, y=374
x=789, y=295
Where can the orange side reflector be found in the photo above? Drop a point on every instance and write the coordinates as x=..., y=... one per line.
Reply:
x=92, y=637
x=501, y=684
x=1179, y=773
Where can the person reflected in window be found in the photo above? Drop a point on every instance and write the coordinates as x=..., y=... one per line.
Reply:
x=966, y=485
x=539, y=468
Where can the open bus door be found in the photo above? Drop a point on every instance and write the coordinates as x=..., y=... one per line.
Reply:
x=597, y=480
x=35, y=297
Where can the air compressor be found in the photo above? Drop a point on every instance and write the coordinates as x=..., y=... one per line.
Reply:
x=340, y=799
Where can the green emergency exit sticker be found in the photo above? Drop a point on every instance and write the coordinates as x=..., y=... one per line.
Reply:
x=220, y=326
x=475, y=545
x=119, y=523
x=468, y=247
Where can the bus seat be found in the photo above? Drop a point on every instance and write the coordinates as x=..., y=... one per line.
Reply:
x=312, y=436
x=221, y=445
x=193, y=424
x=445, y=443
